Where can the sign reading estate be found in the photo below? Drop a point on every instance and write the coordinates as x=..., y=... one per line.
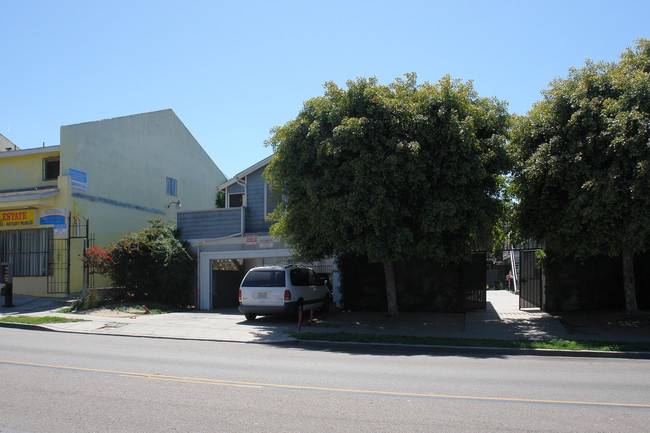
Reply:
x=18, y=218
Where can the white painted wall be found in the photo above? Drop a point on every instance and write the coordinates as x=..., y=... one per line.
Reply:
x=127, y=160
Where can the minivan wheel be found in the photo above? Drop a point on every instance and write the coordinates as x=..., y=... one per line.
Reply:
x=250, y=316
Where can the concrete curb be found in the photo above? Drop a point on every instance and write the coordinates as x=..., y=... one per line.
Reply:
x=374, y=348
x=417, y=349
x=25, y=326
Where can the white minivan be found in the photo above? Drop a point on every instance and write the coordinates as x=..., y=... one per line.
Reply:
x=282, y=290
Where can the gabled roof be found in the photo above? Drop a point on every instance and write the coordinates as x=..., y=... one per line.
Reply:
x=5, y=144
x=243, y=174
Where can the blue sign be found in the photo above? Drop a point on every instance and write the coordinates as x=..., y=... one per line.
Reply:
x=53, y=220
x=78, y=179
x=55, y=217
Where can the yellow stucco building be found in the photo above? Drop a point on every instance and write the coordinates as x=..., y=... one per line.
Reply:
x=106, y=178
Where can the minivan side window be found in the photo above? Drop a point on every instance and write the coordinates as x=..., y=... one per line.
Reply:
x=299, y=277
x=314, y=280
x=264, y=279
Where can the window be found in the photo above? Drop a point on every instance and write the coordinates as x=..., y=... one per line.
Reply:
x=300, y=277
x=28, y=250
x=235, y=200
x=51, y=167
x=271, y=199
x=314, y=279
x=264, y=279
x=172, y=186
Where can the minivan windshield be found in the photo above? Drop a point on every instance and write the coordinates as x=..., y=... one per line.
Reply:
x=265, y=278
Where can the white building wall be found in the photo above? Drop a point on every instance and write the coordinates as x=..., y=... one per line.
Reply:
x=127, y=161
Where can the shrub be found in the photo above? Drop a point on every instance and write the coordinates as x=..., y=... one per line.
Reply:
x=90, y=299
x=152, y=264
x=97, y=259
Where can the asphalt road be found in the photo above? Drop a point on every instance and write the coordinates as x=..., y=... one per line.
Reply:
x=59, y=382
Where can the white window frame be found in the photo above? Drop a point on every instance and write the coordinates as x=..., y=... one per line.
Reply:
x=172, y=186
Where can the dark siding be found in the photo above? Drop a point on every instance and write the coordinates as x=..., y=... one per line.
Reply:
x=255, y=215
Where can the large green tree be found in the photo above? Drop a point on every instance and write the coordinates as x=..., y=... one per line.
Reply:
x=583, y=171
x=390, y=171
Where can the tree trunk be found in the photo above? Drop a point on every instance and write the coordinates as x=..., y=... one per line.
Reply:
x=391, y=291
x=629, y=284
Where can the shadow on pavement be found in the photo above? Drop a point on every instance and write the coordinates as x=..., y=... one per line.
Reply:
x=606, y=325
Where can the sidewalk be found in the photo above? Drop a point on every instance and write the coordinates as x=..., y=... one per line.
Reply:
x=502, y=320
x=223, y=325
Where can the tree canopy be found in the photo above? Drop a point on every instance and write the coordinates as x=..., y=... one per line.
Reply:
x=390, y=171
x=583, y=161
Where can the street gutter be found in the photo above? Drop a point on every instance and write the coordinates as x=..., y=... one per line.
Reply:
x=380, y=348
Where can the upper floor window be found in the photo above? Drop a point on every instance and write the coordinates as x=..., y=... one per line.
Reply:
x=172, y=186
x=51, y=167
x=235, y=200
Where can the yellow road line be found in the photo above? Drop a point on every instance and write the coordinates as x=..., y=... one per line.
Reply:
x=318, y=388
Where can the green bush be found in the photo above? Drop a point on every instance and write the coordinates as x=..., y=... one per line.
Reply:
x=90, y=299
x=149, y=265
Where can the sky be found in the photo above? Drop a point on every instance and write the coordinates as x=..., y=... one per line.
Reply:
x=232, y=70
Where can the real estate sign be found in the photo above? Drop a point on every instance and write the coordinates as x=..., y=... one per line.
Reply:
x=18, y=218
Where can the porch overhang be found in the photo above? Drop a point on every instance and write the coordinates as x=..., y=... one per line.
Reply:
x=32, y=195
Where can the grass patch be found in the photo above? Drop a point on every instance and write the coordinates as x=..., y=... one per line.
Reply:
x=33, y=320
x=474, y=342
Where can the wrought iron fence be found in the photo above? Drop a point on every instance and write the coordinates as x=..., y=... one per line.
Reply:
x=530, y=280
x=61, y=261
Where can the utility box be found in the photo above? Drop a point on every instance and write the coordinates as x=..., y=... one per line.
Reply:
x=7, y=283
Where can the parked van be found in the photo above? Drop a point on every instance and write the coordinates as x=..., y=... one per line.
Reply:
x=282, y=290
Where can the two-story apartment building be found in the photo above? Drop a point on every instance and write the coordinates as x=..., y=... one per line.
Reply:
x=106, y=178
x=230, y=241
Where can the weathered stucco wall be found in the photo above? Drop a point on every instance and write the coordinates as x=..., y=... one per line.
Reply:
x=127, y=161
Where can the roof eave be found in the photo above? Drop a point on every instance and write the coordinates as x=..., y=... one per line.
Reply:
x=245, y=173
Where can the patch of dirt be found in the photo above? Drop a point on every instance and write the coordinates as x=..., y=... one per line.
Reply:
x=130, y=309
x=113, y=312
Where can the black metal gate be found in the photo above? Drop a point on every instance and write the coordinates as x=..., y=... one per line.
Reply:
x=530, y=280
x=517, y=269
x=60, y=266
